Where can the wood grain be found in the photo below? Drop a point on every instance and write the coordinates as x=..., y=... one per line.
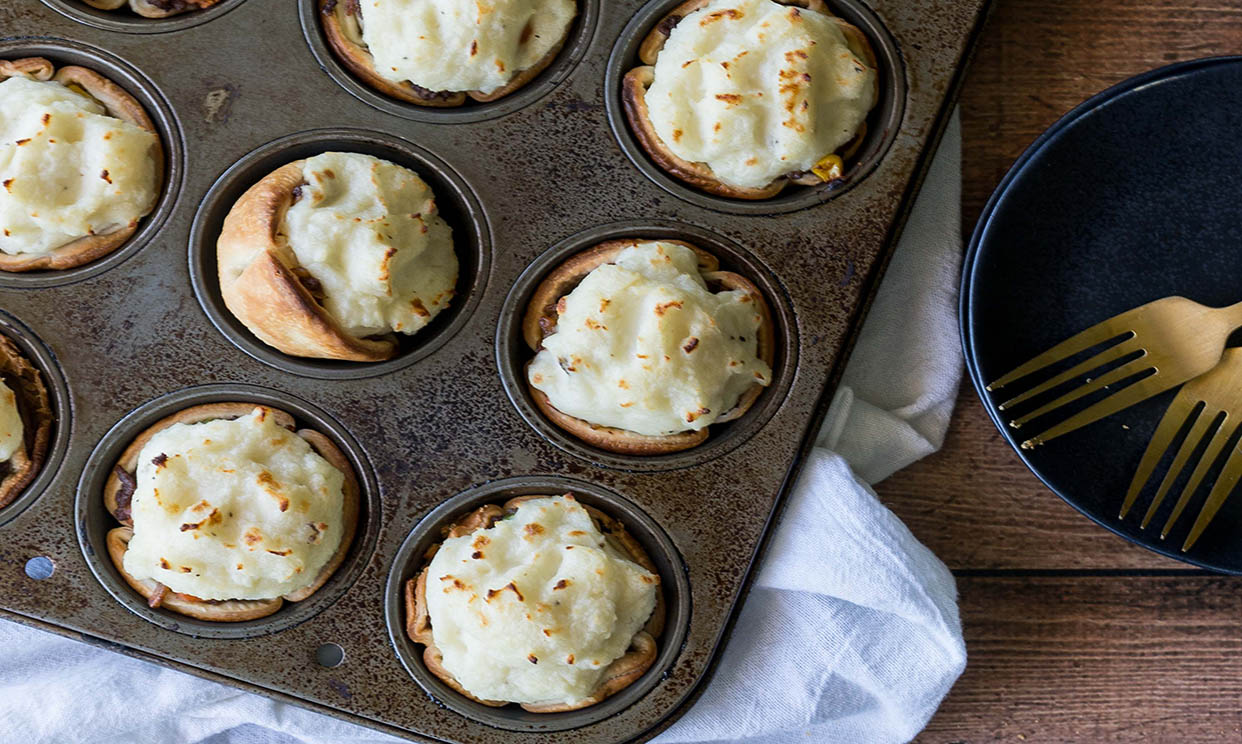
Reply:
x=1113, y=659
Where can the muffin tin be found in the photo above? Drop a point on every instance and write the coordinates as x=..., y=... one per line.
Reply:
x=250, y=85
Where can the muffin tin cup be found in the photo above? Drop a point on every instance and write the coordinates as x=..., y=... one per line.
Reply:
x=94, y=521
x=65, y=52
x=58, y=392
x=512, y=353
x=126, y=21
x=455, y=199
x=882, y=124
x=581, y=35
x=674, y=582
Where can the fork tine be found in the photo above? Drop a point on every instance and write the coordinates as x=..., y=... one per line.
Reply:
x=1220, y=491
x=1179, y=411
x=1193, y=437
x=1122, y=399
x=1132, y=367
x=1219, y=440
x=1096, y=334
x=1110, y=354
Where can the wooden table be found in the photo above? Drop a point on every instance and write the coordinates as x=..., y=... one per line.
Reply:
x=1073, y=634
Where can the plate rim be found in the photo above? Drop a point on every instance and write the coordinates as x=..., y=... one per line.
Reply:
x=966, y=308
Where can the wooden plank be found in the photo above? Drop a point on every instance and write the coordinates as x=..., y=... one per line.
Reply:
x=974, y=503
x=1114, y=659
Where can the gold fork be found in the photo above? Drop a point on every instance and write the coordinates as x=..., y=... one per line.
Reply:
x=1205, y=399
x=1175, y=339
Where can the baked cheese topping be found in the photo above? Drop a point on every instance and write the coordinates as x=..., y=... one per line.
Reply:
x=369, y=232
x=462, y=45
x=534, y=609
x=234, y=509
x=642, y=344
x=11, y=428
x=757, y=90
x=67, y=168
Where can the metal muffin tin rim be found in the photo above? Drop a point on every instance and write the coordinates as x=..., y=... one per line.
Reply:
x=130, y=77
x=123, y=21
x=448, y=186
x=884, y=121
x=581, y=36
x=93, y=521
x=671, y=565
x=512, y=352
x=44, y=359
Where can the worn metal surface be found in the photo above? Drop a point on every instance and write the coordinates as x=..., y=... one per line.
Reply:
x=438, y=422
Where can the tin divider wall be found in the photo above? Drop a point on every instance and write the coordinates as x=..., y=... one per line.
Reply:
x=443, y=424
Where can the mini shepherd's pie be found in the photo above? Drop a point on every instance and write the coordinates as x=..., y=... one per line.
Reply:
x=228, y=512
x=333, y=256
x=153, y=8
x=542, y=602
x=25, y=421
x=443, y=52
x=740, y=98
x=641, y=345
x=80, y=165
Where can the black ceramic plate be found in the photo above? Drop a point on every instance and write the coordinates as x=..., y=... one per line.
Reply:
x=1132, y=196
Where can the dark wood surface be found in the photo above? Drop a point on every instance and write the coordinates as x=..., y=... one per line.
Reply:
x=1073, y=634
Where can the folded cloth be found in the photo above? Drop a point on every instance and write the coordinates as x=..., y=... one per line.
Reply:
x=850, y=634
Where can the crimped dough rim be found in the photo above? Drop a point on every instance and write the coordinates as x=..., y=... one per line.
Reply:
x=35, y=408
x=149, y=9
x=267, y=295
x=231, y=610
x=540, y=322
x=620, y=674
x=700, y=175
x=345, y=37
x=117, y=102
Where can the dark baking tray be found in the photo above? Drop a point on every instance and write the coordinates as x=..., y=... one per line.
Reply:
x=247, y=86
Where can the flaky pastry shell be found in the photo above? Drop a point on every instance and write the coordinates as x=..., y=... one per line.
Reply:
x=342, y=26
x=541, y=319
x=265, y=286
x=118, y=103
x=34, y=405
x=634, y=100
x=153, y=8
x=620, y=674
x=120, y=486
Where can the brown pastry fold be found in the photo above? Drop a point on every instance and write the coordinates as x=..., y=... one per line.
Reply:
x=118, y=103
x=342, y=24
x=541, y=319
x=120, y=486
x=35, y=408
x=634, y=100
x=620, y=674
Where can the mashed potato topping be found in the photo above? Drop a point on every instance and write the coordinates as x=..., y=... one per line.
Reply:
x=757, y=90
x=67, y=168
x=234, y=509
x=11, y=428
x=535, y=608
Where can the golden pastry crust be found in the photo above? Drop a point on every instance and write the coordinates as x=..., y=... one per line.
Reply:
x=341, y=25
x=120, y=487
x=265, y=286
x=540, y=322
x=117, y=103
x=620, y=674
x=634, y=100
x=34, y=405
x=154, y=8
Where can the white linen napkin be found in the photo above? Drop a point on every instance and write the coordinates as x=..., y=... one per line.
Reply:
x=850, y=634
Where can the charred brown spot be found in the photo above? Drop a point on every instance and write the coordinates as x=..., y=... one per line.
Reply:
x=561, y=584
x=730, y=98
x=692, y=415
x=474, y=47
x=281, y=553
x=691, y=344
x=23, y=141
x=533, y=659
x=664, y=307
x=104, y=175
x=164, y=564
x=507, y=587
x=252, y=536
x=569, y=659
x=477, y=554
x=533, y=529
x=186, y=569
x=159, y=460
x=8, y=183
x=419, y=308
x=481, y=541
x=732, y=14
